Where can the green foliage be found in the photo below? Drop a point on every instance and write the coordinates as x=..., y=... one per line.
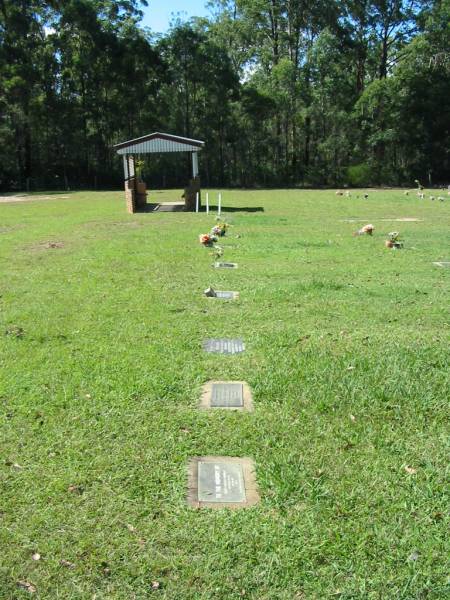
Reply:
x=139, y=167
x=359, y=175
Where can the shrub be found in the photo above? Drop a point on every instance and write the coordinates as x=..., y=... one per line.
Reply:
x=359, y=175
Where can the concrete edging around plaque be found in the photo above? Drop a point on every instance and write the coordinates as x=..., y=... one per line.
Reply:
x=442, y=263
x=206, y=396
x=246, y=466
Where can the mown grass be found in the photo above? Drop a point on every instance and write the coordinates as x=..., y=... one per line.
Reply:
x=347, y=356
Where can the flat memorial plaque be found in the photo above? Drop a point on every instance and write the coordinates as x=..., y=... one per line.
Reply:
x=224, y=346
x=225, y=265
x=226, y=295
x=220, y=482
x=227, y=395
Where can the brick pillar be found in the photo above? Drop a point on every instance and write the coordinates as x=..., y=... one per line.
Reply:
x=130, y=196
x=190, y=194
x=141, y=195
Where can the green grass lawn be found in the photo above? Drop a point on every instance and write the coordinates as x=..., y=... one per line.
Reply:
x=347, y=355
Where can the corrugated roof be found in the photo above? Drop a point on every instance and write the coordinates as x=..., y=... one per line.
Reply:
x=159, y=142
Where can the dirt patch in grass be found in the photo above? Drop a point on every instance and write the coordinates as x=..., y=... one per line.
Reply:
x=402, y=220
x=133, y=224
x=12, y=228
x=405, y=220
x=25, y=198
x=46, y=246
x=49, y=245
x=355, y=220
x=107, y=224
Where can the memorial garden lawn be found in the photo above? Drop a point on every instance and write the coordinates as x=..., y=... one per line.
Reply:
x=102, y=367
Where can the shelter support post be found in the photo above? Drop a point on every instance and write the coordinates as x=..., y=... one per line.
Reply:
x=192, y=196
x=194, y=164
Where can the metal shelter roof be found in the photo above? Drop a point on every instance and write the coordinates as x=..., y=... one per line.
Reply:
x=159, y=142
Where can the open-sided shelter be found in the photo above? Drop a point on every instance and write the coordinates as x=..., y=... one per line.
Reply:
x=135, y=191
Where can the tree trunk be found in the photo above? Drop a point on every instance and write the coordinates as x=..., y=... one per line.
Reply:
x=384, y=58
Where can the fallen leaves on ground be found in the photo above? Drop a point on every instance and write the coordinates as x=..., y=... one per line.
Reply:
x=15, y=465
x=15, y=331
x=410, y=470
x=66, y=563
x=26, y=585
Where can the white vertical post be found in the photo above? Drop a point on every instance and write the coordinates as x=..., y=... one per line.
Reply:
x=220, y=205
x=207, y=203
x=194, y=164
x=196, y=202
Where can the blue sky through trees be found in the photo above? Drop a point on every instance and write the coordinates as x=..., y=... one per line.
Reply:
x=160, y=13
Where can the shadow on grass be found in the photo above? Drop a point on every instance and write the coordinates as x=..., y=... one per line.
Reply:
x=154, y=207
x=233, y=209
x=167, y=207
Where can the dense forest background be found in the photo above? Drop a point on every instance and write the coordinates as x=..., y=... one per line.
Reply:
x=284, y=92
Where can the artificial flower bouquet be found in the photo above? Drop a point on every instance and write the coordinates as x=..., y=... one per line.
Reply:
x=220, y=228
x=366, y=230
x=207, y=239
x=394, y=241
x=217, y=252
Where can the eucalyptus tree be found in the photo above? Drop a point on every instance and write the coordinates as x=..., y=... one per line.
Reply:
x=76, y=75
x=22, y=40
x=202, y=85
x=377, y=30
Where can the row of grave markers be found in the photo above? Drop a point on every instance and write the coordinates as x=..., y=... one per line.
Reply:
x=226, y=481
x=223, y=481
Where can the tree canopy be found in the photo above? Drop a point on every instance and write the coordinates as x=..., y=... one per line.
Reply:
x=284, y=92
